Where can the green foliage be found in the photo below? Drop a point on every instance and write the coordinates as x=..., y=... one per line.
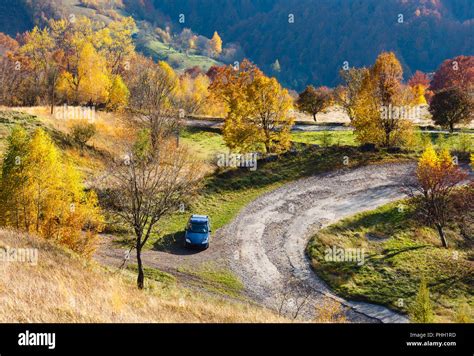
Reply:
x=421, y=311
x=216, y=279
x=82, y=132
x=463, y=313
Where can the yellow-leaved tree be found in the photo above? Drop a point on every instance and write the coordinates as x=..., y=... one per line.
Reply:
x=91, y=82
x=419, y=94
x=193, y=93
x=118, y=94
x=42, y=194
x=258, y=109
x=381, y=108
x=215, y=44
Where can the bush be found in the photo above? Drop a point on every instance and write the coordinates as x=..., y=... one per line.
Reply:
x=421, y=310
x=82, y=132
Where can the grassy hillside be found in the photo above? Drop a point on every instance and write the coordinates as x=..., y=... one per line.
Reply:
x=398, y=253
x=180, y=61
x=63, y=287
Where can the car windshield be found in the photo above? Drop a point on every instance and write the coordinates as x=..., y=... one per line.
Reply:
x=197, y=227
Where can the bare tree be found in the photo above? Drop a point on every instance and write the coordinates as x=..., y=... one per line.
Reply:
x=150, y=183
x=346, y=96
x=294, y=297
x=152, y=96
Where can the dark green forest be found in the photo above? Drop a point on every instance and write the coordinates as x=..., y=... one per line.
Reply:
x=326, y=33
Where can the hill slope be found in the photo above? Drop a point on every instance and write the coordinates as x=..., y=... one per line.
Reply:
x=325, y=33
x=14, y=17
x=63, y=287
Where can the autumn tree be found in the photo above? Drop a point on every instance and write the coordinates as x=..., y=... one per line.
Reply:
x=149, y=184
x=193, y=93
x=313, y=100
x=419, y=84
x=452, y=106
x=419, y=78
x=91, y=82
x=378, y=108
x=82, y=131
x=14, y=73
x=347, y=95
x=456, y=72
x=118, y=94
x=115, y=43
x=215, y=45
x=153, y=87
x=435, y=179
x=257, y=109
x=44, y=62
x=42, y=194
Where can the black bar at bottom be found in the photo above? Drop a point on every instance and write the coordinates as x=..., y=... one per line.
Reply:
x=316, y=339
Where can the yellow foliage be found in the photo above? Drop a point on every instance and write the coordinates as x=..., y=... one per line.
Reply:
x=118, y=94
x=216, y=44
x=44, y=195
x=419, y=94
x=376, y=111
x=429, y=158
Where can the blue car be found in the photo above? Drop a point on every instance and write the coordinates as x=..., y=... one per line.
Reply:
x=198, y=232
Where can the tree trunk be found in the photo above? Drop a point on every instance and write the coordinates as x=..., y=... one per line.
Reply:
x=387, y=139
x=52, y=101
x=314, y=117
x=141, y=275
x=442, y=236
x=451, y=127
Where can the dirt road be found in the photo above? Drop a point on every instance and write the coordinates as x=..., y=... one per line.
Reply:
x=265, y=244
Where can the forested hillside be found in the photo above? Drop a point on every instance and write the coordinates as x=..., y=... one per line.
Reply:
x=326, y=33
x=14, y=17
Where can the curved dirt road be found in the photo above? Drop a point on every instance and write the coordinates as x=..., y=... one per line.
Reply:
x=265, y=244
x=269, y=237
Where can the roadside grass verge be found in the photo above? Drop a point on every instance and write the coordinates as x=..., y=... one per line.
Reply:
x=163, y=278
x=325, y=138
x=461, y=141
x=215, y=279
x=399, y=252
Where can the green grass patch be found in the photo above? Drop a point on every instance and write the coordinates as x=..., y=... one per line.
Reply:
x=155, y=275
x=215, y=279
x=204, y=143
x=180, y=61
x=325, y=138
x=399, y=252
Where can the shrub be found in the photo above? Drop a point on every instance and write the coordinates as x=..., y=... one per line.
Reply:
x=82, y=132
